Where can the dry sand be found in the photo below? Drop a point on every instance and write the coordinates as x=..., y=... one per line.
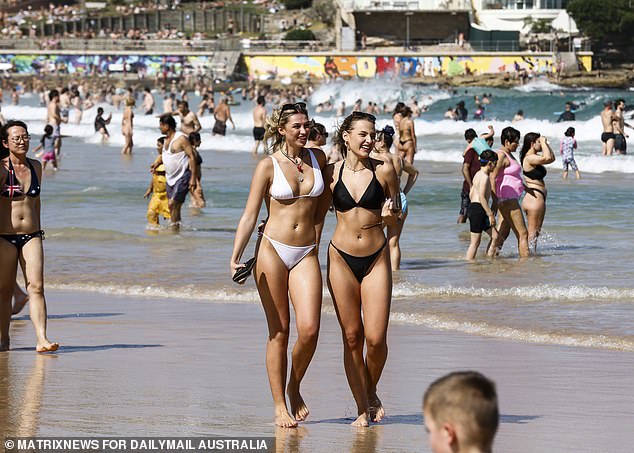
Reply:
x=162, y=367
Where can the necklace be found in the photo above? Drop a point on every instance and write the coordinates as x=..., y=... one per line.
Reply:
x=298, y=165
x=345, y=162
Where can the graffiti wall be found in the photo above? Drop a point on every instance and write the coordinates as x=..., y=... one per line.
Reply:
x=267, y=67
x=79, y=64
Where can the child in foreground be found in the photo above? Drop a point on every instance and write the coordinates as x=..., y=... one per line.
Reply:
x=158, y=189
x=567, y=150
x=461, y=413
x=480, y=215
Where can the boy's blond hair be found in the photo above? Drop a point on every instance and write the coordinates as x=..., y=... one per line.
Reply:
x=468, y=400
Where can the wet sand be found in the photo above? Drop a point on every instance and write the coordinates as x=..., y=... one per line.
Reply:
x=163, y=367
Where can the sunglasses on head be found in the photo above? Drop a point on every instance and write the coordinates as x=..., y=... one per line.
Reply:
x=367, y=116
x=299, y=107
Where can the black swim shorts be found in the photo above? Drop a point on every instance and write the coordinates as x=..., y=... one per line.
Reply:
x=258, y=134
x=478, y=218
x=620, y=144
x=220, y=128
x=607, y=136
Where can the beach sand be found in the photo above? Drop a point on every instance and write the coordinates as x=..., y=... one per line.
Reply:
x=162, y=367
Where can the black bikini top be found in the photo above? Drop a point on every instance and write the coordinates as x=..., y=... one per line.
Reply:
x=538, y=173
x=372, y=198
x=12, y=187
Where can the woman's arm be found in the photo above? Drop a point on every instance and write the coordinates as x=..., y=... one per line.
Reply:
x=494, y=174
x=390, y=186
x=259, y=185
x=412, y=175
x=323, y=204
x=545, y=158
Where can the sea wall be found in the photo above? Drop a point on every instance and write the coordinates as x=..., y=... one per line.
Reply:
x=263, y=67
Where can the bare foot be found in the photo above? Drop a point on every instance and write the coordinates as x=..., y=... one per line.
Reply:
x=19, y=304
x=47, y=346
x=363, y=421
x=284, y=419
x=298, y=407
x=376, y=409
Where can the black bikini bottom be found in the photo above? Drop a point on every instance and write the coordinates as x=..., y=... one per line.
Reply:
x=360, y=265
x=532, y=189
x=20, y=240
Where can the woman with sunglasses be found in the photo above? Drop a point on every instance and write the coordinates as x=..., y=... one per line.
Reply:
x=290, y=182
x=508, y=189
x=359, y=273
x=382, y=147
x=535, y=153
x=20, y=233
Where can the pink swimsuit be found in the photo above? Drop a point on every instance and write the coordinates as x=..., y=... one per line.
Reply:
x=508, y=184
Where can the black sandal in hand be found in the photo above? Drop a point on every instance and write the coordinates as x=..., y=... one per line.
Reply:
x=243, y=273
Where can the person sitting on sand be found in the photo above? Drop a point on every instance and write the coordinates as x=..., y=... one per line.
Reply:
x=20, y=233
x=461, y=413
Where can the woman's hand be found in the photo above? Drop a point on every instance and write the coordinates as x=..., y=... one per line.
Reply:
x=388, y=215
x=234, y=266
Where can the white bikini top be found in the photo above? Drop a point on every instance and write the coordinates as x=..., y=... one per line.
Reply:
x=281, y=189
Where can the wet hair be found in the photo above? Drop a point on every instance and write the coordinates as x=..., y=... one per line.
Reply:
x=529, y=139
x=48, y=129
x=347, y=125
x=469, y=400
x=398, y=108
x=618, y=101
x=168, y=120
x=488, y=156
x=470, y=134
x=388, y=136
x=52, y=94
x=261, y=100
x=273, y=140
x=99, y=110
x=509, y=134
x=194, y=137
x=570, y=132
x=520, y=112
x=183, y=104
x=315, y=130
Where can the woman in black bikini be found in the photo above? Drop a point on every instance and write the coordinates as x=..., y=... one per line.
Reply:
x=359, y=272
x=20, y=233
x=534, y=155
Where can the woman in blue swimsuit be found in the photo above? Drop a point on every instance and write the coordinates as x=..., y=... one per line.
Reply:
x=20, y=233
x=290, y=182
x=359, y=272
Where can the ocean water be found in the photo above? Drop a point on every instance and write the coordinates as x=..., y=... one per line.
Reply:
x=577, y=291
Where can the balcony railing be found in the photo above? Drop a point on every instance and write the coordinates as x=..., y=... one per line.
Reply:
x=127, y=45
x=406, y=5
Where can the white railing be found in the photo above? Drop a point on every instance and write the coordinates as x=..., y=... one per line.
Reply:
x=406, y=5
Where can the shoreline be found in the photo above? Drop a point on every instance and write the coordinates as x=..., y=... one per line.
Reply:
x=202, y=365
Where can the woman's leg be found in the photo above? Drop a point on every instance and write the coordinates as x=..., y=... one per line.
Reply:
x=376, y=296
x=271, y=277
x=535, y=209
x=9, y=266
x=346, y=297
x=409, y=152
x=32, y=261
x=513, y=213
x=393, y=240
x=305, y=287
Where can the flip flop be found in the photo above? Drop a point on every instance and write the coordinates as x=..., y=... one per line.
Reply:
x=243, y=273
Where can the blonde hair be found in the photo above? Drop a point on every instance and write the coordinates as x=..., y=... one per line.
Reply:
x=273, y=140
x=467, y=399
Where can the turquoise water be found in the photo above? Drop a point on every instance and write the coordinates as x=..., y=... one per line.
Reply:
x=577, y=291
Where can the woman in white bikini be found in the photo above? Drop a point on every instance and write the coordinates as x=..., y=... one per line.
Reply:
x=289, y=182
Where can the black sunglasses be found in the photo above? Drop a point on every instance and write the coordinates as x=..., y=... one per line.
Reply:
x=299, y=107
x=367, y=116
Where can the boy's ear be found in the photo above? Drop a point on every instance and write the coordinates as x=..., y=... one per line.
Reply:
x=449, y=435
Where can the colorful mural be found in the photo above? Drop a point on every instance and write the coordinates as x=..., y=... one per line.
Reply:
x=79, y=64
x=268, y=67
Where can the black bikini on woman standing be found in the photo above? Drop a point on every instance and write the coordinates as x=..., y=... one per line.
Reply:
x=11, y=189
x=372, y=199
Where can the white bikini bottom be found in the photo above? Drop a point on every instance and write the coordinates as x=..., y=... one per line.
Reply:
x=289, y=254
